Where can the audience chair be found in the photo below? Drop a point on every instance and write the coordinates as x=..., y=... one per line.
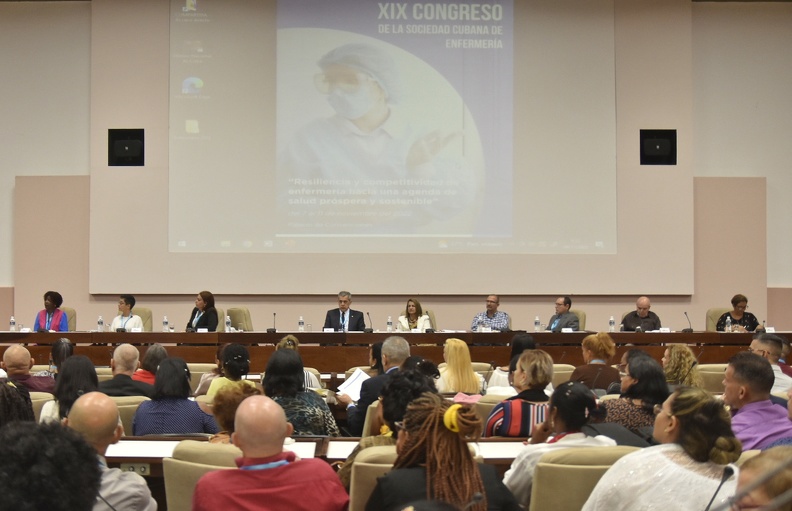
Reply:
x=146, y=317
x=712, y=377
x=746, y=455
x=485, y=405
x=576, y=468
x=581, y=315
x=197, y=370
x=127, y=406
x=190, y=461
x=606, y=397
x=314, y=371
x=240, y=318
x=366, y=369
x=71, y=315
x=38, y=399
x=371, y=414
x=561, y=373
x=713, y=315
x=370, y=464
x=104, y=374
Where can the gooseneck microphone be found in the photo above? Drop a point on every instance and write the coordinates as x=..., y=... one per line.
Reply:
x=694, y=364
x=727, y=473
x=477, y=497
x=688, y=330
x=369, y=329
x=273, y=329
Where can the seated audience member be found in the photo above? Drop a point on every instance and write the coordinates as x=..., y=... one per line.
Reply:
x=17, y=363
x=571, y=406
x=769, y=346
x=124, y=363
x=766, y=492
x=597, y=349
x=424, y=367
x=51, y=318
x=64, y=476
x=643, y=385
x=155, y=354
x=397, y=393
x=458, y=374
x=615, y=388
x=260, y=428
x=395, y=351
x=413, y=318
x=307, y=412
x=641, y=318
x=375, y=359
x=224, y=407
x=125, y=320
x=491, y=318
x=756, y=421
x=434, y=460
x=519, y=343
x=786, y=440
x=697, y=443
x=95, y=417
x=563, y=318
x=60, y=351
x=209, y=376
x=236, y=365
x=344, y=319
x=170, y=411
x=519, y=415
x=77, y=377
x=204, y=315
x=741, y=320
x=290, y=342
x=681, y=367
x=13, y=405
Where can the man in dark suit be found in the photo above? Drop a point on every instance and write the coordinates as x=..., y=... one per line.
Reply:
x=125, y=361
x=395, y=350
x=343, y=318
x=563, y=318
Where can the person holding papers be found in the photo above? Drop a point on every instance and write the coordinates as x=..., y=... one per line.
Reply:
x=395, y=350
x=344, y=319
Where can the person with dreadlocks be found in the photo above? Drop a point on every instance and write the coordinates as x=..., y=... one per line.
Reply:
x=434, y=461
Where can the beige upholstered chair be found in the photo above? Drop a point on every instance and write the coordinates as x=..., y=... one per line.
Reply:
x=581, y=315
x=746, y=455
x=579, y=469
x=39, y=399
x=432, y=318
x=190, y=461
x=370, y=463
x=104, y=374
x=712, y=377
x=606, y=397
x=240, y=317
x=366, y=369
x=371, y=414
x=561, y=373
x=314, y=371
x=71, y=315
x=713, y=315
x=485, y=405
x=127, y=406
x=146, y=317
x=197, y=370
x=220, y=319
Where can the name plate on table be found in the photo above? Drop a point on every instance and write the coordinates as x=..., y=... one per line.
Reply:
x=136, y=329
x=566, y=330
x=665, y=330
x=203, y=330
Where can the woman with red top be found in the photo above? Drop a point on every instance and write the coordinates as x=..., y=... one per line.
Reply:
x=52, y=318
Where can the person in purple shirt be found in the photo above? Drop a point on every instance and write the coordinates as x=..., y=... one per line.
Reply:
x=757, y=422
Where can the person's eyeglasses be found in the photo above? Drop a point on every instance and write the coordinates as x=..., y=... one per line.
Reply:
x=658, y=409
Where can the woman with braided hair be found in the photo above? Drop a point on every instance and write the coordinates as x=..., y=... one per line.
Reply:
x=690, y=468
x=434, y=461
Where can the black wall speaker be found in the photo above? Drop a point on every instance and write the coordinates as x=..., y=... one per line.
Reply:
x=125, y=148
x=658, y=147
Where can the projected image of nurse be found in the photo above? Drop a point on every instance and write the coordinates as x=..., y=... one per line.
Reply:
x=383, y=166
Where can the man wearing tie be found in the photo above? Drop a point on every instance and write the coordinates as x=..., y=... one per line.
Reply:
x=343, y=318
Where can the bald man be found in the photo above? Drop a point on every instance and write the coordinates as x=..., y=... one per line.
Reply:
x=17, y=363
x=269, y=477
x=95, y=417
x=641, y=317
x=125, y=361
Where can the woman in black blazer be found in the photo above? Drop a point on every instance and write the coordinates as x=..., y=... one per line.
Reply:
x=204, y=315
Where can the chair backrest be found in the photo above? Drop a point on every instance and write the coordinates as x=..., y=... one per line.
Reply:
x=221, y=455
x=71, y=315
x=580, y=468
x=181, y=477
x=712, y=377
x=366, y=369
x=581, y=315
x=314, y=371
x=38, y=399
x=220, y=319
x=432, y=318
x=746, y=455
x=713, y=315
x=146, y=317
x=371, y=413
x=104, y=374
x=370, y=464
x=561, y=373
x=127, y=406
x=197, y=370
x=240, y=318
x=484, y=406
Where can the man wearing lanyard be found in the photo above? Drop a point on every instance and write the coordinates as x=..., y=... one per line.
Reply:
x=126, y=320
x=563, y=318
x=267, y=474
x=344, y=319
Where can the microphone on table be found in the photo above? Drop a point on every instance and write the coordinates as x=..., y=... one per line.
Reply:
x=369, y=329
x=690, y=325
x=489, y=373
x=477, y=497
x=756, y=483
x=273, y=329
x=727, y=473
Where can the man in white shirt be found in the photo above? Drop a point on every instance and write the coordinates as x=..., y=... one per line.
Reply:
x=769, y=346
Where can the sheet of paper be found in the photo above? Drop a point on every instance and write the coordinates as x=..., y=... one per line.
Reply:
x=351, y=386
